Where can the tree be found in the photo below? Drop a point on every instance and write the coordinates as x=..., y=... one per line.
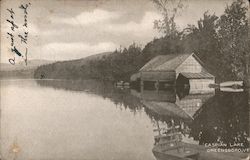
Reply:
x=221, y=42
x=169, y=9
x=233, y=38
x=203, y=40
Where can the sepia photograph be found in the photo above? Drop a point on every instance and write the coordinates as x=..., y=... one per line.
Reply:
x=124, y=80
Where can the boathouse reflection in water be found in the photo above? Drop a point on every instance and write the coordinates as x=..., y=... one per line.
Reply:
x=221, y=117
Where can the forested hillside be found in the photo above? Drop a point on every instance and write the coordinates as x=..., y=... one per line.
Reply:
x=21, y=70
x=222, y=43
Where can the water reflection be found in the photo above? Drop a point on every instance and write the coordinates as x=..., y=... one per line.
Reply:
x=62, y=120
x=220, y=118
x=104, y=89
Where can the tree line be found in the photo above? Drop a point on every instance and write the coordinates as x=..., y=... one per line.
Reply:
x=221, y=42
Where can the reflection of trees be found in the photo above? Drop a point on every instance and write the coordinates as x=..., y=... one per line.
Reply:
x=105, y=89
x=102, y=88
x=167, y=119
x=166, y=97
x=223, y=119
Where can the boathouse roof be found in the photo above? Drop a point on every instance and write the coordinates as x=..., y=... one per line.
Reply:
x=165, y=62
x=201, y=75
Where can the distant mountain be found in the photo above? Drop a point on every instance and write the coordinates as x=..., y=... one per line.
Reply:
x=96, y=56
x=86, y=60
x=20, y=70
x=32, y=64
x=71, y=69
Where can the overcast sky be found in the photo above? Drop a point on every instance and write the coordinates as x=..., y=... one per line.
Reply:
x=71, y=29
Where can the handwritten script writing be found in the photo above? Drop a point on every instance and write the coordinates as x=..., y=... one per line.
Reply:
x=21, y=30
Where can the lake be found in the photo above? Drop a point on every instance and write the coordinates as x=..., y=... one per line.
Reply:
x=92, y=120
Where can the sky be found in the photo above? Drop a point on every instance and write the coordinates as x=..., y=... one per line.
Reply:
x=72, y=29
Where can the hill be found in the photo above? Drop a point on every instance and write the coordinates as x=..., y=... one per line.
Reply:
x=20, y=70
x=72, y=69
x=22, y=66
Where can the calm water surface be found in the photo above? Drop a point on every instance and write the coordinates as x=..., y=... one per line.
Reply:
x=92, y=120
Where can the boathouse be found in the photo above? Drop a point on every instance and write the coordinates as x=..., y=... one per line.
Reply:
x=185, y=70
